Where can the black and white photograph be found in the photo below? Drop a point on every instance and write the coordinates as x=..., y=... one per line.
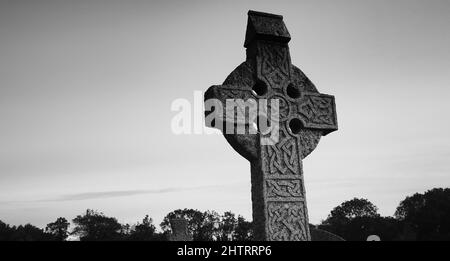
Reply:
x=219, y=127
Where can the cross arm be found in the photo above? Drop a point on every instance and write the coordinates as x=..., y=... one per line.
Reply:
x=217, y=96
x=237, y=98
x=318, y=111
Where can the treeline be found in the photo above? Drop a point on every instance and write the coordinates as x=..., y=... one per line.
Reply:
x=96, y=226
x=423, y=217
x=418, y=217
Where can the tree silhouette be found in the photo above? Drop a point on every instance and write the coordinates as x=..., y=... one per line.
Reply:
x=58, y=229
x=144, y=231
x=194, y=219
x=5, y=231
x=357, y=207
x=227, y=226
x=243, y=230
x=420, y=216
x=95, y=226
x=359, y=228
x=29, y=232
x=204, y=226
x=427, y=215
x=210, y=229
x=339, y=221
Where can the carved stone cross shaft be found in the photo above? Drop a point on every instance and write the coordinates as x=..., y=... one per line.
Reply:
x=278, y=194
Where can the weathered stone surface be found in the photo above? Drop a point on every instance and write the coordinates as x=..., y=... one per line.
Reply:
x=180, y=230
x=269, y=27
x=278, y=193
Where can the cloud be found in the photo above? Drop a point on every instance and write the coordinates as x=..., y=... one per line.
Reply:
x=123, y=193
x=116, y=193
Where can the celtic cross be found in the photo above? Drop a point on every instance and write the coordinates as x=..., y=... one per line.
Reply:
x=304, y=115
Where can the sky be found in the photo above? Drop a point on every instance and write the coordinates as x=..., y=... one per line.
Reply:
x=86, y=89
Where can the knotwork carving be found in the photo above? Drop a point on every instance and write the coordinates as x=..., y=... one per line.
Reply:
x=286, y=222
x=279, y=188
x=283, y=156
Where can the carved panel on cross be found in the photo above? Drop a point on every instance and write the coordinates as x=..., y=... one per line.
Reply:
x=281, y=189
x=274, y=64
x=287, y=221
x=317, y=111
x=282, y=159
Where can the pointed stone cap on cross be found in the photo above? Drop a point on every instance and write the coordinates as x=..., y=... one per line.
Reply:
x=265, y=26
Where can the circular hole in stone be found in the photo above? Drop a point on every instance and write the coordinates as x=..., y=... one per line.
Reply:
x=295, y=125
x=293, y=91
x=260, y=88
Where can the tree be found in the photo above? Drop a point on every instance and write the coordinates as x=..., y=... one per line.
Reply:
x=209, y=230
x=203, y=225
x=194, y=219
x=243, y=230
x=29, y=232
x=227, y=226
x=359, y=228
x=26, y=232
x=354, y=208
x=95, y=226
x=58, y=229
x=144, y=231
x=341, y=216
x=428, y=214
x=5, y=231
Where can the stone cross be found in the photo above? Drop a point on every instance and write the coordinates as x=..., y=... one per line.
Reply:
x=180, y=230
x=278, y=194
